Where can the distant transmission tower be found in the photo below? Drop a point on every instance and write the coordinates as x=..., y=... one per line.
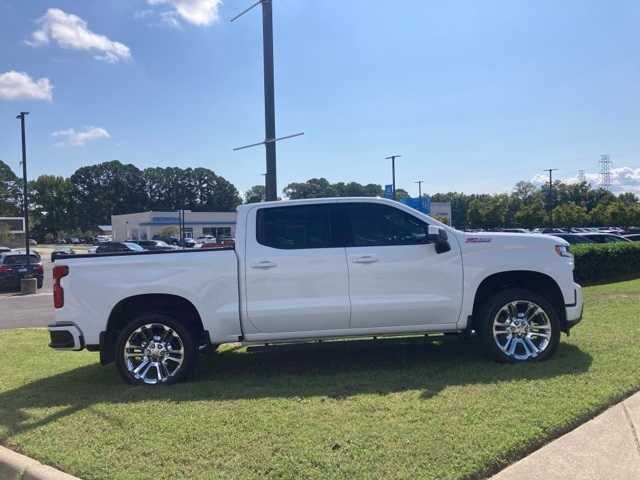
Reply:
x=605, y=171
x=581, y=176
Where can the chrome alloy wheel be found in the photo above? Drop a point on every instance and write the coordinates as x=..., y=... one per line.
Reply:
x=153, y=353
x=522, y=330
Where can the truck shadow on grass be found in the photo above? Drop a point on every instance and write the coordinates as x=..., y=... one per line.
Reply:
x=336, y=370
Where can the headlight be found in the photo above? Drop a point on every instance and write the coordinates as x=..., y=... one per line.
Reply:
x=563, y=251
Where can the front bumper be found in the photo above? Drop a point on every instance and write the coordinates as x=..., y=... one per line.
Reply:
x=573, y=311
x=66, y=336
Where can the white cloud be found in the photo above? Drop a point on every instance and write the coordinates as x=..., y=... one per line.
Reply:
x=623, y=179
x=20, y=86
x=72, y=32
x=77, y=139
x=196, y=12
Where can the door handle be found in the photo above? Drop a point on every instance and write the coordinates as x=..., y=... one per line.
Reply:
x=264, y=264
x=365, y=259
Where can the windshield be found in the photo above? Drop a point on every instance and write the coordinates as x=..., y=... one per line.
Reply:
x=134, y=246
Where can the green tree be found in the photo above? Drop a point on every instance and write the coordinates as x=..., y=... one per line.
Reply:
x=570, y=215
x=106, y=189
x=620, y=214
x=322, y=188
x=10, y=194
x=197, y=189
x=166, y=188
x=50, y=199
x=312, y=188
x=599, y=215
x=531, y=215
x=255, y=194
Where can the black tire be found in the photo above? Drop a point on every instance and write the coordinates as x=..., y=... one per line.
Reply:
x=499, y=346
x=40, y=282
x=160, y=323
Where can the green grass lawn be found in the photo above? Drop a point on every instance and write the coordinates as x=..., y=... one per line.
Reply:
x=356, y=409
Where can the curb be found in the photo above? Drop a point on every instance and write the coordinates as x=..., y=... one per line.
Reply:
x=14, y=466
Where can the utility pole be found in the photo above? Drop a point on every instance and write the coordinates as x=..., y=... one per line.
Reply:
x=393, y=172
x=550, y=170
x=25, y=193
x=419, y=182
x=271, y=181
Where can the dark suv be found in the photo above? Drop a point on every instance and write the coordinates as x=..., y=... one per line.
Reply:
x=119, y=247
x=13, y=267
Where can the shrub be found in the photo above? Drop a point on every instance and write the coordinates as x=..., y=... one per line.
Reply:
x=606, y=262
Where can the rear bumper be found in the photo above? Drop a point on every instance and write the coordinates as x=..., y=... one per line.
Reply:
x=574, y=310
x=66, y=336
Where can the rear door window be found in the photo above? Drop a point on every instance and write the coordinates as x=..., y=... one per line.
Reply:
x=294, y=228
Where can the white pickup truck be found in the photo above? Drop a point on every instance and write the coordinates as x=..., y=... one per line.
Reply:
x=315, y=269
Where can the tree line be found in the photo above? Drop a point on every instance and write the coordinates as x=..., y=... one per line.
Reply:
x=75, y=206
x=526, y=206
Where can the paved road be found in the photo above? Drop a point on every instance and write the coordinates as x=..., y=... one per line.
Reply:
x=29, y=310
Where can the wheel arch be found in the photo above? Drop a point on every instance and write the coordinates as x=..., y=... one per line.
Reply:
x=129, y=308
x=537, y=282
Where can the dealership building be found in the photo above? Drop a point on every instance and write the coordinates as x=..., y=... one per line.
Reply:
x=146, y=225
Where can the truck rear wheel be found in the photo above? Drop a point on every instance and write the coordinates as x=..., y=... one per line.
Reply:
x=519, y=326
x=155, y=349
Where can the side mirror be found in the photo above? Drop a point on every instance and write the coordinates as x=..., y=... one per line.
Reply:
x=440, y=239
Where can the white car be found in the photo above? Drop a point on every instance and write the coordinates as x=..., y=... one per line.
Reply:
x=316, y=269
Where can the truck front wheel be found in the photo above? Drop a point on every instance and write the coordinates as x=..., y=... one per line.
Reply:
x=155, y=349
x=519, y=326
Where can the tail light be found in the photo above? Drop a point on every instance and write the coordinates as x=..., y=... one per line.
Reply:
x=5, y=269
x=59, y=271
x=39, y=268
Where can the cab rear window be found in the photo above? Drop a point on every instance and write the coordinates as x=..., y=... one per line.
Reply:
x=20, y=259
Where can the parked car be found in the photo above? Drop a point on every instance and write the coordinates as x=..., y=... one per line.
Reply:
x=305, y=270
x=603, y=237
x=4, y=249
x=552, y=230
x=60, y=252
x=634, y=238
x=572, y=238
x=189, y=243
x=155, y=245
x=118, y=247
x=514, y=230
x=170, y=240
x=14, y=267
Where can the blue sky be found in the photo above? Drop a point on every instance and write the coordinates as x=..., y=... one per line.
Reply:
x=475, y=95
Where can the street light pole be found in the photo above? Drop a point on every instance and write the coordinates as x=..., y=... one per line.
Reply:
x=271, y=187
x=419, y=182
x=550, y=170
x=271, y=181
x=25, y=194
x=393, y=172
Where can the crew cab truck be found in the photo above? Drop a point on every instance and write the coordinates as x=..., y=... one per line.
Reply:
x=306, y=270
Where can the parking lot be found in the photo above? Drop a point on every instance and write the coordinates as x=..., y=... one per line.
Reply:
x=28, y=310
